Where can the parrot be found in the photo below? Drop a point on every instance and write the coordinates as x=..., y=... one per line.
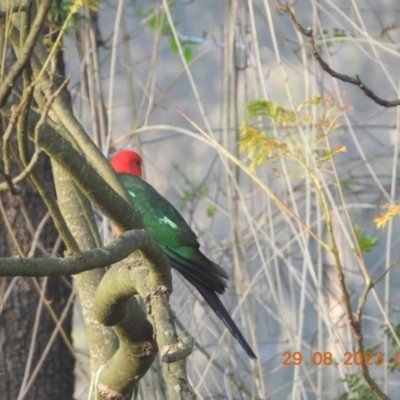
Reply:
x=167, y=226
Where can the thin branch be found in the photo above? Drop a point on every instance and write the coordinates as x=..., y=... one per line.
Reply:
x=48, y=347
x=39, y=182
x=16, y=113
x=35, y=240
x=10, y=230
x=34, y=338
x=35, y=157
x=25, y=53
x=354, y=321
x=325, y=66
x=117, y=250
x=6, y=140
x=10, y=10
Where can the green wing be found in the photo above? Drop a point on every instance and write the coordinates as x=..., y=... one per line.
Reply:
x=179, y=242
x=163, y=221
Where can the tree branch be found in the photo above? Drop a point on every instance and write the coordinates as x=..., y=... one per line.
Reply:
x=24, y=55
x=62, y=108
x=10, y=10
x=41, y=184
x=103, y=342
x=325, y=66
x=61, y=150
x=113, y=305
x=86, y=177
x=117, y=250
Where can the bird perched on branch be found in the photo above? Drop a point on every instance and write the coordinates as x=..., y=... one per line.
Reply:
x=163, y=221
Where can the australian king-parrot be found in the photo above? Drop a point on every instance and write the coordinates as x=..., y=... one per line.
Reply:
x=163, y=221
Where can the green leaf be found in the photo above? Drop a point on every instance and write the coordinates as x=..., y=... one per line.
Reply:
x=388, y=333
x=206, y=189
x=158, y=21
x=187, y=195
x=314, y=101
x=339, y=33
x=259, y=146
x=188, y=54
x=366, y=243
x=173, y=46
x=211, y=210
x=266, y=108
x=359, y=390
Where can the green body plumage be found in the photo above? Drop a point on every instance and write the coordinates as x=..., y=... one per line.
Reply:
x=163, y=221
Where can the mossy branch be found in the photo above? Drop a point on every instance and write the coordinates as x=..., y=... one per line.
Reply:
x=103, y=343
x=62, y=108
x=117, y=250
x=114, y=305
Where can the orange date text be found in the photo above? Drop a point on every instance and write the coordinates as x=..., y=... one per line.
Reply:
x=368, y=358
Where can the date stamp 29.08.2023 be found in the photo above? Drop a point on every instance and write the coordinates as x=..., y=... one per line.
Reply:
x=370, y=358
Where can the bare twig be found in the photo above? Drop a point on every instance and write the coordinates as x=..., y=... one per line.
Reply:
x=325, y=66
x=10, y=183
x=35, y=157
x=238, y=383
x=36, y=177
x=14, y=117
x=354, y=321
x=25, y=52
x=36, y=236
x=32, y=346
x=53, y=336
x=10, y=231
x=6, y=140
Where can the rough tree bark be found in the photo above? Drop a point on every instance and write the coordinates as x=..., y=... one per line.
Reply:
x=26, y=321
x=20, y=302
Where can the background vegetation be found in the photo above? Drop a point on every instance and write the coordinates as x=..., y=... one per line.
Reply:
x=280, y=147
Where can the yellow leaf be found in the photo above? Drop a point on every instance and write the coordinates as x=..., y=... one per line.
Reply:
x=382, y=219
x=339, y=149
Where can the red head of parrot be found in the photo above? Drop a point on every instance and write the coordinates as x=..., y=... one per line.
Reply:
x=127, y=162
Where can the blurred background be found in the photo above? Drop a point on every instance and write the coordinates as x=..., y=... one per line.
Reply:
x=172, y=80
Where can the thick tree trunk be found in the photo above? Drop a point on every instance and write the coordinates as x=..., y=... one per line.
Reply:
x=36, y=358
x=25, y=320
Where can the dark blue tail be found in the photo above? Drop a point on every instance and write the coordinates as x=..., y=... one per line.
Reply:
x=215, y=303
